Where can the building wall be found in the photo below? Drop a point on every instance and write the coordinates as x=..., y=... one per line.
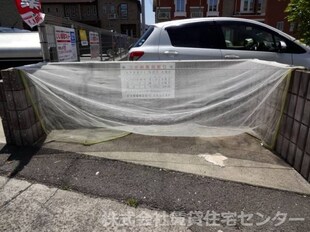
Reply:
x=117, y=21
x=275, y=16
x=272, y=12
x=54, y=9
x=227, y=9
x=89, y=13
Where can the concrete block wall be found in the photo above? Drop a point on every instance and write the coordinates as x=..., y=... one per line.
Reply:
x=20, y=123
x=293, y=142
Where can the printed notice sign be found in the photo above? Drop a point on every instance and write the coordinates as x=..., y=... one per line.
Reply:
x=94, y=44
x=66, y=44
x=148, y=80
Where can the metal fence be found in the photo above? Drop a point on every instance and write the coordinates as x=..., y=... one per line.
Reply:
x=84, y=42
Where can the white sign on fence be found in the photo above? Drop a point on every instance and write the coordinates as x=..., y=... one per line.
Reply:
x=94, y=44
x=66, y=44
x=146, y=81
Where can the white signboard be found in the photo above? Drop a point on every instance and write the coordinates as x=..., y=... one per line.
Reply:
x=66, y=44
x=148, y=80
x=94, y=44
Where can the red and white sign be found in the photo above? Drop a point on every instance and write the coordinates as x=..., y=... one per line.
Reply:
x=30, y=11
x=66, y=44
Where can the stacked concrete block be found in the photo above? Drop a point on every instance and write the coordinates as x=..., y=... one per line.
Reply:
x=19, y=118
x=293, y=142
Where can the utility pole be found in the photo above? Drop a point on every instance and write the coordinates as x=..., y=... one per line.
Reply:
x=143, y=17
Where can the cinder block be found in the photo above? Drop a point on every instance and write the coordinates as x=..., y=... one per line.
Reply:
x=27, y=137
x=279, y=144
x=16, y=81
x=287, y=103
x=17, y=140
x=305, y=166
x=298, y=159
x=308, y=92
x=9, y=100
x=306, y=114
x=13, y=119
x=304, y=81
x=21, y=100
x=32, y=117
x=308, y=142
x=299, y=108
x=302, y=136
x=295, y=82
x=295, y=132
x=288, y=127
x=282, y=125
x=7, y=131
x=35, y=132
x=6, y=80
x=285, y=146
x=2, y=96
x=292, y=106
x=12, y=80
x=291, y=153
x=2, y=109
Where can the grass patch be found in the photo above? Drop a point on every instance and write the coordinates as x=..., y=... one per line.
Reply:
x=132, y=202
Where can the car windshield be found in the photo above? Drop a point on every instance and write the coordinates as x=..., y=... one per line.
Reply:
x=144, y=37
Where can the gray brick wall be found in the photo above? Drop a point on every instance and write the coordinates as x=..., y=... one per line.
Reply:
x=293, y=143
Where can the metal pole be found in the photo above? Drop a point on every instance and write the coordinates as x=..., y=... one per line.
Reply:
x=100, y=46
x=44, y=42
x=143, y=17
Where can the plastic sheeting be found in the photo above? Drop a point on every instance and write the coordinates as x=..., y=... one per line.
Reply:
x=181, y=98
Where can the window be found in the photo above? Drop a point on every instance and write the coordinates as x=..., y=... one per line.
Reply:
x=123, y=10
x=180, y=6
x=247, y=6
x=240, y=36
x=280, y=25
x=163, y=14
x=261, y=6
x=196, y=12
x=89, y=12
x=72, y=11
x=144, y=37
x=212, y=5
x=247, y=37
x=292, y=27
x=198, y=35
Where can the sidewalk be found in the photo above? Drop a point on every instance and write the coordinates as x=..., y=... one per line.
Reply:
x=25, y=206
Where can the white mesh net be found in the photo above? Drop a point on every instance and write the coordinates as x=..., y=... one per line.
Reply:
x=181, y=98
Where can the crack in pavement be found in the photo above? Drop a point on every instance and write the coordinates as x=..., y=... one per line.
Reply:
x=14, y=197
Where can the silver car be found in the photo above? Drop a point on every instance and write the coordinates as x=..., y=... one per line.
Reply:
x=218, y=38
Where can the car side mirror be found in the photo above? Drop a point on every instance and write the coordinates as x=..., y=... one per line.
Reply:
x=282, y=46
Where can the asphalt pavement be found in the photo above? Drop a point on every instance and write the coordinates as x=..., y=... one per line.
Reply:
x=199, y=203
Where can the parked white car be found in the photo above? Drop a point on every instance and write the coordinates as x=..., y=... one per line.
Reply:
x=218, y=38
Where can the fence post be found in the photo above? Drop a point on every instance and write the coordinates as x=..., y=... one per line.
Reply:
x=100, y=46
x=44, y=42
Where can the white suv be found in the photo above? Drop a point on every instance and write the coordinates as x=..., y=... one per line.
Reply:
x=218, y=38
